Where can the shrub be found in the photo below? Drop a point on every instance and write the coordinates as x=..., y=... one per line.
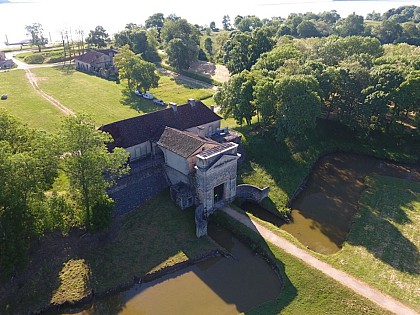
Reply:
x=35, y=59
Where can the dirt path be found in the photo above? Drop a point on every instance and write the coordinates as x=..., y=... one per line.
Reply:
x=361, y=288
x=32, y=80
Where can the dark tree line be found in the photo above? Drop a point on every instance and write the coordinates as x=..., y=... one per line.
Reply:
x=355, y=80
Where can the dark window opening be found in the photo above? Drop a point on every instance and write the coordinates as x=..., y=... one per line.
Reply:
x=218, y=193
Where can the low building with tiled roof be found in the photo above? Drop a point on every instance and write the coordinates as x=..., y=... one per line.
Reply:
x=98, y=62
x=199, y=170
x=138, y=135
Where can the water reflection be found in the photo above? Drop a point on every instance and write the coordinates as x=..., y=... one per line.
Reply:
x=216, y=286
x=323, y=212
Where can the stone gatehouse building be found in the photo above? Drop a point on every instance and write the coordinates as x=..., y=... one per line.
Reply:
x=200, y=171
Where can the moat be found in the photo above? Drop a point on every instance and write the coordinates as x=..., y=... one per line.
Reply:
x=322, y=213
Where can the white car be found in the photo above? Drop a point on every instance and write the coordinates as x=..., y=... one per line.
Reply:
x=159, y=102
x=148, y=96
x=137, y=92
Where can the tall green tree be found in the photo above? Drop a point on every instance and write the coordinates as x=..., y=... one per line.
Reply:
x=36, y=32
x=98, y=37
x=352, y=25
x=140, y=74
x=181, y=41
x=28, y=167
x=91, y=168
x=266, y=99
x=299, y=105
x=226, y=23
x=236, y=97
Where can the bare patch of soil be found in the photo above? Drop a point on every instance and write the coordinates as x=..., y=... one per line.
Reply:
x=215, y=71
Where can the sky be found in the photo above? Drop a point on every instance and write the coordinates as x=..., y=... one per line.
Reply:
x=56, y=15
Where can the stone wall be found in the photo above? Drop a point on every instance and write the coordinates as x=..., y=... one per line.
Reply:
x=144, y=182
x=250, y=192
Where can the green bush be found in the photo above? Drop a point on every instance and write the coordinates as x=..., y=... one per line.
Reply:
x=102, y=213
x=35, y=59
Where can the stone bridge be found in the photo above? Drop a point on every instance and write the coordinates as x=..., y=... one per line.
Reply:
x=253, y=193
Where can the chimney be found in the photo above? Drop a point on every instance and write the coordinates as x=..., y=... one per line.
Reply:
x=212, y=108
x=173, y=106
x=191, y=101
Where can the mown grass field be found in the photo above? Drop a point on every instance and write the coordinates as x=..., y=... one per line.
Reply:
x=68, y=268
x=384, y=242
x=104, y=100
x=26, y=104
x=305, y=290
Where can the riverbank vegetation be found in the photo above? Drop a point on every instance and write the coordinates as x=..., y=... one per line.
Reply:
x=71, y=267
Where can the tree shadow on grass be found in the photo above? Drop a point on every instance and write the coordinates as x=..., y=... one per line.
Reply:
x=139, y=103
x=67, y=69
x=381, y=218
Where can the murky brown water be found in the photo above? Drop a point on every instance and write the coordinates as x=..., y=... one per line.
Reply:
x=217, y=286
x=323, y=212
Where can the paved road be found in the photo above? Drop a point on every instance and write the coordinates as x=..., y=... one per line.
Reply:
x=361, y=288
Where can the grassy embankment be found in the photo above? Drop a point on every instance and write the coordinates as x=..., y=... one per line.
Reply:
x=26, y=104
x=68, y=268
x=283, y=165
x=305, y=290
x=384, y=242
x=383, y=245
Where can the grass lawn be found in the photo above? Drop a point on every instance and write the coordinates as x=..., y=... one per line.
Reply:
x=103, y=99
x=68, y=268
x=383, y=244
x=305, y=290
x=175, y=90
x=26, y=104
x=84, y=93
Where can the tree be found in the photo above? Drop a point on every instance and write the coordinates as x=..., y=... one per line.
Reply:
x=140, y=74
x=181, y=54
x=181, y=40
x=155, y=21
x=299, y=105
x=236, y=97
x=243, y=49
x=388, y=32
x=37, y=37
x=212, y=25
x=208, y=45
x=140, y=41
x=307, y=29
x=90, y=167
x=351, y=25
x=98, y=37
x=226, y=23
x=266, y=99
x=28, y=167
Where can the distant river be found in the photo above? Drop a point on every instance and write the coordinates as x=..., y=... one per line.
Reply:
x=56, y=15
